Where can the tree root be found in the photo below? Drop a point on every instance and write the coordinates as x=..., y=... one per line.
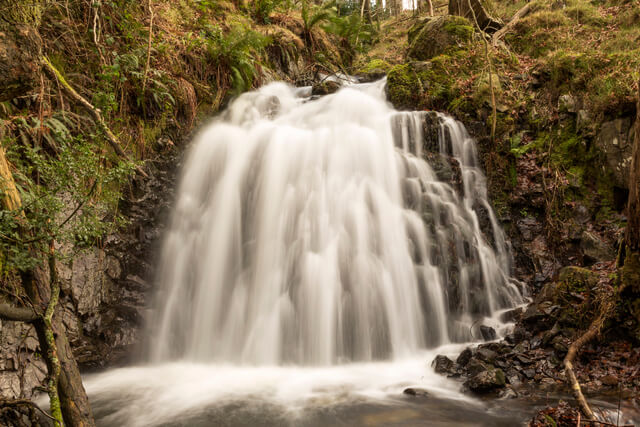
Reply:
x=607, y=307
x=95, y=113
x=17, y=314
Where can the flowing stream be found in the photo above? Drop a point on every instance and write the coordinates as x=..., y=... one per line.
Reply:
x=320, y=253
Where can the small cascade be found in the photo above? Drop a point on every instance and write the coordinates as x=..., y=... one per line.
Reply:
x=326, y=231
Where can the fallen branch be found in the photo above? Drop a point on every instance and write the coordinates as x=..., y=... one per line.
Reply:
x=607, y=308
x=17, y=314
x=524, y=11
x=95, y=113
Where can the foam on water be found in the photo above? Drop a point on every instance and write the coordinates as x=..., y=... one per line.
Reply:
x=171, y=392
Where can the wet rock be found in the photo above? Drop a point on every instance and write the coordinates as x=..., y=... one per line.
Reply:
x=486, y=381
x=465, y=357
x=488, y=333
x=511, y=315
x=443, y=365
x=325, y=87
x=476, y=366
x=438, y=35
x=417, y=392
x=536, y=318
x=507, y=393
x=486, y=355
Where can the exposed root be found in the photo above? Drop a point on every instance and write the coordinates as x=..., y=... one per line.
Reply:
x=607, y=308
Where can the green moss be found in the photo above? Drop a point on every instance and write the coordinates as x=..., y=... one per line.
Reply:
x=576, y=279
x=404, y=87
x=374, y=65
x=459, y=27
x=441, y=35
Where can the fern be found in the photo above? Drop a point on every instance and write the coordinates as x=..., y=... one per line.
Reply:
x=237, y=51
x=262, y=10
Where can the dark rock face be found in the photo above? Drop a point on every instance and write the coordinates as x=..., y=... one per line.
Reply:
x=104, y=291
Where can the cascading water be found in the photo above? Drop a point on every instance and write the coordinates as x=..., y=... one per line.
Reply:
x=313, y=232
x=314, y=265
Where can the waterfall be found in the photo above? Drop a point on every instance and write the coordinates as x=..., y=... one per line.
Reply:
x=321, y=231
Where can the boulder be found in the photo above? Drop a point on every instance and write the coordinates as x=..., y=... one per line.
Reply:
x=438, y=35
x=443, y=365
x=486, y=381
x=615, y=140
x=465, y=356
x=486, y=355
x=325, y=87
x=595, y=249
x=488, y=333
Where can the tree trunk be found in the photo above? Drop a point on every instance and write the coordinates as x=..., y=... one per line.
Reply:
x=73, y=400
x=367, y=10
x=469, y=8
x=632, y=236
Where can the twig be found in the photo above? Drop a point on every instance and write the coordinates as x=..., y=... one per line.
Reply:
x=95, y=113
x=146, y=66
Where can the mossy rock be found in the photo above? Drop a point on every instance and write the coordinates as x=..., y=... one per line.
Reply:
x=404, y=87
x=373, y=70
x=437, y=36
x=576, y=279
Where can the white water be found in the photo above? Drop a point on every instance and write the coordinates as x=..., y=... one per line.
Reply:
x=299, y=236
x=314, y=258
